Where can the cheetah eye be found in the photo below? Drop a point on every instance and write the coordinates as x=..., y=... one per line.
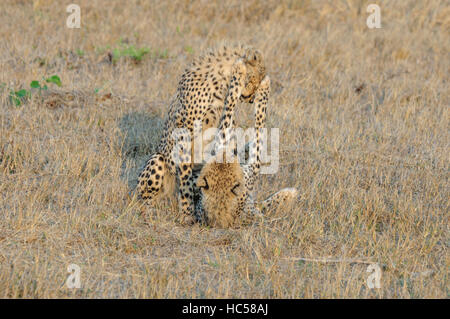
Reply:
x=233, y=190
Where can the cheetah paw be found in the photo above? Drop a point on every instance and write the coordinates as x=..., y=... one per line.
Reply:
x=240, y=71
x=187, y=220
x=265, y=83
x=264, y=87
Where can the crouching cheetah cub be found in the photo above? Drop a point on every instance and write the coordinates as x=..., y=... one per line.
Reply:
x=213, y=83
x=226, y=189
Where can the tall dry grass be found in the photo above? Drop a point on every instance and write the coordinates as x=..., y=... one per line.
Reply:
x=364, y=135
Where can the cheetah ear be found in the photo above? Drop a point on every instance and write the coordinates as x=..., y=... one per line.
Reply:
x=233, y=190
x=203, y=183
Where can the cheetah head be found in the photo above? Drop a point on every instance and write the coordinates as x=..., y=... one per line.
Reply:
x=256, y=71
x=223, y=193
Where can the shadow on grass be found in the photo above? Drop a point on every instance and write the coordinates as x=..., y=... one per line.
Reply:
x=140, y=135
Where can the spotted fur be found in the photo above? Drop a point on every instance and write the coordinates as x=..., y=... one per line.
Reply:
x=226, y=189
x=206, y=92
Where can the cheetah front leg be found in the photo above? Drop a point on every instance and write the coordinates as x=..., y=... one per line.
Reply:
x=185, y=171
x=261, y=100
x=253, y=167
x=237, y=85
x=281, y=197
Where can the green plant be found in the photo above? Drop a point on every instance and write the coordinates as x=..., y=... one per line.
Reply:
x=37, y=85
x=189, y=49
x=102, y=50
x=80, y=52
x=129, y=51
x=161, y=54
x=54, y=79
x=20, y=96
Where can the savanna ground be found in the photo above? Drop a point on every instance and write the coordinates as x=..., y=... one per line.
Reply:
x=364, y=135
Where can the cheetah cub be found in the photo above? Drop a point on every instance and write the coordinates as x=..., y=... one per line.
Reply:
x=226, y=189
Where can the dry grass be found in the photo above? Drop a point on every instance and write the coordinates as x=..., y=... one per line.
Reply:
x=364, y=119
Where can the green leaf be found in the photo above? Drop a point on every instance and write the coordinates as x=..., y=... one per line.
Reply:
x=35, y=85
x=21, y=93
x=17, y=97
x=189, y=49
x=116, y=55
x=14, y=99
x=54, y=79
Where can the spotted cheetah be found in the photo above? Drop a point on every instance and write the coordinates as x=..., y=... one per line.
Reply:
x=226, y=189
x=213, y=83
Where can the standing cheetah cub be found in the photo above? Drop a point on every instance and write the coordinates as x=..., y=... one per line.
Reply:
x=226, y=189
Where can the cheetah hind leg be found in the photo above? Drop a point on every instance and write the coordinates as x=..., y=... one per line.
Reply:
x=282, y=197
x=155, y=181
